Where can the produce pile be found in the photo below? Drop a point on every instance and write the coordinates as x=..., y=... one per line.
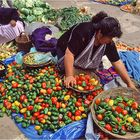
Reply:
x=39, y=96
x=114, y=2
x=85, y=82
x=37, y=10
x=7, y=50
x=123, y=46
x=127, y=8
x=118, y=115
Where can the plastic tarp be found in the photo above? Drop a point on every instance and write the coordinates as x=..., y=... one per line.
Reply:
x=71, y=131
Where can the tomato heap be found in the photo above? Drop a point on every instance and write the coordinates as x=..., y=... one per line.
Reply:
x=85, y=82
x=41, y=99
x=118, y=115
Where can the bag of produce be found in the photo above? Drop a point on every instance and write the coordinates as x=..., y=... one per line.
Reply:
x=43, y=43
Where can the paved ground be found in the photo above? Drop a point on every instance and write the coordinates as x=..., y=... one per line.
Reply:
x=131, y=29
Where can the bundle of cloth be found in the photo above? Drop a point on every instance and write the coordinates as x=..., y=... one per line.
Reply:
x=11, y=25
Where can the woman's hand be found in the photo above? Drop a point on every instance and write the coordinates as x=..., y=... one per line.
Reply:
x=13, y=23
x=132, y=86
x=69, y=80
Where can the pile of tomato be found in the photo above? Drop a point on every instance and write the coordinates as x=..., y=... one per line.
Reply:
x=118, y=115
x=41, y=99
x=85, y=82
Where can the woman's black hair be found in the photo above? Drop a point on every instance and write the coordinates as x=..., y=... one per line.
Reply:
x=108, y=26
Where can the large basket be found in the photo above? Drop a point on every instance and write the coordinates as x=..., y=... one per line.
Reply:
x=78, y=71
x=35, y=65
x=23, y=42
x=126, y=92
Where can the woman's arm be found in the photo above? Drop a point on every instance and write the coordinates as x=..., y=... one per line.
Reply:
x=69, y=70
x=121, y=70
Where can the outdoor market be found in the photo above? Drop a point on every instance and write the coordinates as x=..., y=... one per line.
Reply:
x=69, y=69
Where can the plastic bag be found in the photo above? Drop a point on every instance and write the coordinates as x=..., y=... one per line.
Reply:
x=71, y=131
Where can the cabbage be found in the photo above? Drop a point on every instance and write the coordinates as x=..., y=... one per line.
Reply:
x=37, y=11
x=25, y=11
x=31, y=18
x=29, y=3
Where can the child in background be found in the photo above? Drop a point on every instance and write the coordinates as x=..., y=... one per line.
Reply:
x=9, y=2
x=11, y=25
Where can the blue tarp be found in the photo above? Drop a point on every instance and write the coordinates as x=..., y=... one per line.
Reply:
x=71, y=131
x=131, y=59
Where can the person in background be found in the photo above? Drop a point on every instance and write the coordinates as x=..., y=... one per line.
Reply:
x=9, y=2
x=11, y=25
x=84, y=45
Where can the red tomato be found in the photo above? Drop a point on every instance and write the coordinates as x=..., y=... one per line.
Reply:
x=22, y=98
x=100, y=117
x=79, y=100
x=57, y=105
x=54, y=100
x=44, y=85
x=31, y=80
x=77, y=113
x=36, y=114
x=78, y=104
x=134, y=123
x=94, y=93
x=8, y=105
x=73, y=118
x=87, y=102
x=91, y=87
x=86, y=88
x=5, y=101
x=118, y=119
x=87, y=77
x=40, y=116
x=43, y=105
x=98, y=101
x=47, y=105
x=30, y=107
x=107, y=100
x=123, y=128
x=49, y=90
x=58, y=88
x=69, y=114
x=118, y=109
x=14, y=85
x=90, y=97
x=81, y=78
x=108, y=127
x=25, y=115
x=124, y=112
x=135, y=105
x=79, y=83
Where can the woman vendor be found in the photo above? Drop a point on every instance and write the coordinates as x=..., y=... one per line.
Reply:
x=84, y=45
x=11, y=25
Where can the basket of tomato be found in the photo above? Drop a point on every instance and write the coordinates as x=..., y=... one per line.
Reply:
x=117, y=113
x=86, y=82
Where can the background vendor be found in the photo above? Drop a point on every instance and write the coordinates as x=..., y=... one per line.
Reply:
x=11, y=25
x=84, y=45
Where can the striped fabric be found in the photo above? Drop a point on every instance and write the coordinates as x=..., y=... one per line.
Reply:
x=8, y=33
x=88, y=61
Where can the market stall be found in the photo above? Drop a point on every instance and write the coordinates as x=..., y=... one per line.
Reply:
x=32, y=90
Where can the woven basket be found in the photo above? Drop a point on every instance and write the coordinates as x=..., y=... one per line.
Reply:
x=126, y=92
x=23, y=42
x=78, y=71
x=35, y=65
